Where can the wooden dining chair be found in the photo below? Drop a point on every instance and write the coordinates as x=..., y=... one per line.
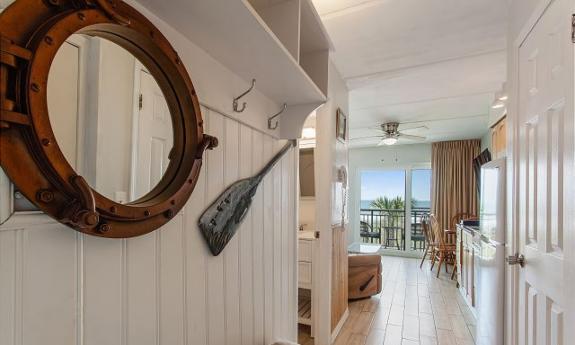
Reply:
x=444, y=249
x=429, y=240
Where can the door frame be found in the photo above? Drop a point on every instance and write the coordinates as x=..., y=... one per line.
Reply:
x=513, y=185
x=138, y=67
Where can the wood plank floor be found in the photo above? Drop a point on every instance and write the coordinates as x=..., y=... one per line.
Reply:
x=414, y=308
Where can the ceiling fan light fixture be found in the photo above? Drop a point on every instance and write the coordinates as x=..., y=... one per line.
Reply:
x=388, y=141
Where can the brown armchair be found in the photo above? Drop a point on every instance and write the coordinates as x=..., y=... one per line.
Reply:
x=364, y=276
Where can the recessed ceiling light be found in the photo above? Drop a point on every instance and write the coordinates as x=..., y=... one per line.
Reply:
x=308, y=133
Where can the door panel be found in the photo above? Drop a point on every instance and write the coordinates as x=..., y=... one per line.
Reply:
x=545, y=129
x=155, y=138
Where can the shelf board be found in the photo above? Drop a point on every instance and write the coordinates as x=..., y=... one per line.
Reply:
x=233, y=33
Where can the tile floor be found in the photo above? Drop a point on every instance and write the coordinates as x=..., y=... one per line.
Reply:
x=414, y=308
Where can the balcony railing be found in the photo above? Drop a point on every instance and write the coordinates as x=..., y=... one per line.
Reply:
x=387, y=227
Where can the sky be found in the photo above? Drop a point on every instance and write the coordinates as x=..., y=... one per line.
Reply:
x=391, y=183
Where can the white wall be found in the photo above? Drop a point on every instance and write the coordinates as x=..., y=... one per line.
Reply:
x=329, y=154
x=307, y=213
x=381, y=157
x=58, y=286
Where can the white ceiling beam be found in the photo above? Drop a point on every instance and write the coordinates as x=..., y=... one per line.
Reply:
x=365, y=80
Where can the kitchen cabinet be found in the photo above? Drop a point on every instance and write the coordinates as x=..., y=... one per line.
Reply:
x=466, y=262
x=307, y=242
x=499, y=139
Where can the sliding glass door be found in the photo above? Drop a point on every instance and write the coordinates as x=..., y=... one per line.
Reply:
x=420, y=205
x=392, y=205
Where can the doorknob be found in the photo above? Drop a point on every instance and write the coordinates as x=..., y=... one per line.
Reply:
x=516, y=259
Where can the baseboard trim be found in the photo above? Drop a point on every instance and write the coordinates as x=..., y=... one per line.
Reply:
x=339, y=326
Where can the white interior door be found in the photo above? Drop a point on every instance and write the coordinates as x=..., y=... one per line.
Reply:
x=544, y=175
x=155, y=136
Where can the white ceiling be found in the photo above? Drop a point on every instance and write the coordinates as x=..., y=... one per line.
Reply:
x=436, y=63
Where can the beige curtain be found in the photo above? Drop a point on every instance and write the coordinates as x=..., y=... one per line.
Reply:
x=453, y=187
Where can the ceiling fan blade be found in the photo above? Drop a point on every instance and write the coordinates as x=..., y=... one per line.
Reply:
x=413, y=128
x=370, y=137
x=411, y=137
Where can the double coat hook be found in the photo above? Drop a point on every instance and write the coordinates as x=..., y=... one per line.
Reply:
x=237, y=109
x=274, y=126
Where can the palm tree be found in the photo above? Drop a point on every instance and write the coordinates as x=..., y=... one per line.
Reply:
x=385, y=203
x=388, y=205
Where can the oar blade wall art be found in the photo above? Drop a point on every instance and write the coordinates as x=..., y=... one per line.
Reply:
x=220, y=221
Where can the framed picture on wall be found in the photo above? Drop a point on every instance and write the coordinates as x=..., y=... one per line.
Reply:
x=341, y=125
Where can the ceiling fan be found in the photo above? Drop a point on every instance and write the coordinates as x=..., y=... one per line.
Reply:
x=391, y=134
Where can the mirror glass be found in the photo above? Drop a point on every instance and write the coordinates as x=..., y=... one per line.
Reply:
x=109, y=116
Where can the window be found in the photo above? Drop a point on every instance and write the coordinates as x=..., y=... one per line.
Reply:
x=420, y=205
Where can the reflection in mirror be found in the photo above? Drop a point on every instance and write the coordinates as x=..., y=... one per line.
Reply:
x=109, y=117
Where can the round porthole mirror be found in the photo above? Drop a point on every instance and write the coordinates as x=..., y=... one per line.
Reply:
x=100, y=125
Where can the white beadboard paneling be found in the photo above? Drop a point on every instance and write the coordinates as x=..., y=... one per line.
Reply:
x=258, y=229
x=246, y=239
x=61, y=287
x=195, y=260
x=284, y=240
x=231, y=252
x=268, y=223
x=8, y=252
x=216, y=312
x=293, y=171
x=142, y=289
x=103, y=290
x=277, y=249
x=49, y=286
x=171, y=283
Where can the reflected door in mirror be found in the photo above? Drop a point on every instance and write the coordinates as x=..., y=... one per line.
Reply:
x=110, y=118
x=155, y=135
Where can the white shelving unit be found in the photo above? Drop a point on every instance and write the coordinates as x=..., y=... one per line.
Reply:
x=280, y=43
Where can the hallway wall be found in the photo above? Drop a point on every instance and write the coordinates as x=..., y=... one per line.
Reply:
x=60, y=287
x=331, y=154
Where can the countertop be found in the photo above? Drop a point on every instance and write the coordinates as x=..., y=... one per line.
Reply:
x=306, y=235
x=469, y=228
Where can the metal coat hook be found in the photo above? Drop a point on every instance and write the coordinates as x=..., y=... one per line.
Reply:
x=276, y=115
x=242, y=95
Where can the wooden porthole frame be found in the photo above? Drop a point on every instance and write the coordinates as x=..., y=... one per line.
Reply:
x=31, y=32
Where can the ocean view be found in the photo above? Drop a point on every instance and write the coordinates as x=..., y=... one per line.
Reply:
x=365, y=204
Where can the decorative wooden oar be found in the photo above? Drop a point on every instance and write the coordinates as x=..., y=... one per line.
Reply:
x=220, y=221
